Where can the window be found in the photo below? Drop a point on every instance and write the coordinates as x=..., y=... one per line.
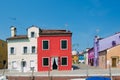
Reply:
x=113, y=43
x=45, y=62
x=24, y=64
x=14, y=64
x=64, y=61
x=32, y=34
x=24, y=50
x=32, y=63
x=45, y=44
x=33, y=49
x=12, y=50
x=64, y=44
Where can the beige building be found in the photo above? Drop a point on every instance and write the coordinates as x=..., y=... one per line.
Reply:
x=22, y=50
x=110, y=57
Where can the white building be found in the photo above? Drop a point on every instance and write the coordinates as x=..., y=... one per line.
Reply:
x=22, y=50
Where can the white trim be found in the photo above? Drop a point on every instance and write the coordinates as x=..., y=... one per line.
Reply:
x=48, y=61
x=61, y=60
x=48, y=44
x=61, y=44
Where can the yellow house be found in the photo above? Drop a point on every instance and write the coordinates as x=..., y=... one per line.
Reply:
x=3, y=54
x=110, y=57
x=74, y=57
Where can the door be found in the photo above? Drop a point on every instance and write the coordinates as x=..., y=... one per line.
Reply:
x=113, y=62
x=55, y=63
x=23, y=65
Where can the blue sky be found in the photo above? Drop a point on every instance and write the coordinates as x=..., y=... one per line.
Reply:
x=84, y=18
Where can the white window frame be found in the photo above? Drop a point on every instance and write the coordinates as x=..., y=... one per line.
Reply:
x=61, y=60
x=61, y=44
x=48, y=61
x=48, y=44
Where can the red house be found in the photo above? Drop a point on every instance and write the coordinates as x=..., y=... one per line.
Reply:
x=54, y=50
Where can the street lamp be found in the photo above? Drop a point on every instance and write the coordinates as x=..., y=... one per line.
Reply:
x=109, y=65
x=22, y=64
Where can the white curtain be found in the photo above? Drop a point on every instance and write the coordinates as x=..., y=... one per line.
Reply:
x=56, y=60
x=32, y=63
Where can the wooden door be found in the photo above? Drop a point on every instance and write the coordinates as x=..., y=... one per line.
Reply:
x=113, y=62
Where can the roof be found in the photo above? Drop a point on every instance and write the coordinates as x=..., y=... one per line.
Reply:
x=18, y=37
x=33, y=26
x=54, y=32
x=110, y=47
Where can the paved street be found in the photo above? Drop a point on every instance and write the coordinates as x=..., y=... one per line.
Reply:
x=80, y=70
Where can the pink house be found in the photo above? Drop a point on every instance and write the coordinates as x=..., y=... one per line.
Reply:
x=91, y=57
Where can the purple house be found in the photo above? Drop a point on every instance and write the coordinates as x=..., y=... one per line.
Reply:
x=91, y=57
x=103, y=44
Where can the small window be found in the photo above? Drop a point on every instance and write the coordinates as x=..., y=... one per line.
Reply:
x=64, y=61
x=33, y=49
x=64, y=44
x=32, y=34
x=45, y=62
x=113, y=43
x=14, y=64
x=12, y=50
x=24, y=64
x=24, y=50
x=45, y=44
x=32, y=63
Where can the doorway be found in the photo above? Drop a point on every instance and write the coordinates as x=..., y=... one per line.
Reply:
x=114, y=62
x=23, y=65
x=55, y=63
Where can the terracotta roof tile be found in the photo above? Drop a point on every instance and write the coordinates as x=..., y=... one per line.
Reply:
x=18, y=37
x=55, y=32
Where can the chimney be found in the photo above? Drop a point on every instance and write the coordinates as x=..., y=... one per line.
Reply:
x=13, y=31
x=97, y=38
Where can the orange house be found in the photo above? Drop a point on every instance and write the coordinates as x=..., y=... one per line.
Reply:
x=54, y=50
x=110, y=57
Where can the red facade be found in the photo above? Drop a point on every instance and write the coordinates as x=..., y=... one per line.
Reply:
x=54, y=50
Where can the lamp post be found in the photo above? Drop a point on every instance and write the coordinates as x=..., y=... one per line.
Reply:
x=22, y=64
x=32, y=76
x=110, y=71
x=109, y=66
